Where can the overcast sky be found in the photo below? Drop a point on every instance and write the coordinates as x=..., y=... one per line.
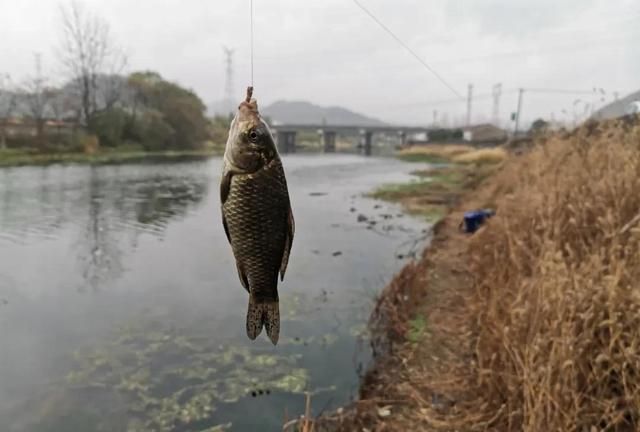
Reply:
x=331, y=53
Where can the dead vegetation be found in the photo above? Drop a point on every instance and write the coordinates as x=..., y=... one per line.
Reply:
x=557, y=286
x=532, y=323
x=482, y=156
x=457, y=153
x=434, y=153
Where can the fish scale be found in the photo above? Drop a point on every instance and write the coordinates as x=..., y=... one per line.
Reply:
x=256, y=213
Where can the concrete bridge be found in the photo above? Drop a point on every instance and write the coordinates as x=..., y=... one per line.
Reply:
x=286, y=134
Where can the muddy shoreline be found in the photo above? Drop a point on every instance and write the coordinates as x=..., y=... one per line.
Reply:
x=403, y=322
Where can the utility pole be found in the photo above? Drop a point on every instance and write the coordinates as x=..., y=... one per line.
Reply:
x=497, y=91
x=435, y=118
x=517, y=119
x=228, y=83
x=469, y=98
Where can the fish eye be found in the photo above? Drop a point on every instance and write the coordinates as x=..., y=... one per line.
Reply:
x=253, y=136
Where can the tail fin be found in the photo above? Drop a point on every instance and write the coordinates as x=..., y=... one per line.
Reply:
x=267, y=314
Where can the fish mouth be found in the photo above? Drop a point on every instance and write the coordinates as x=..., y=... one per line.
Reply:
x=248, y=110
x=248, y=117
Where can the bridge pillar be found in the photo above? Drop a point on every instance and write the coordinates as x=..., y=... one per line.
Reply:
x=329, y=141
x=368, y=141
x=403, y=138
x=286, y=141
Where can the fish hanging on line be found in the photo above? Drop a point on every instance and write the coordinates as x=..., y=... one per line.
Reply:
x=256, y=215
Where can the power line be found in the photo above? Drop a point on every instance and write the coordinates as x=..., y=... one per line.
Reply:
x=482, y=96
x=251, y=25
x=429, y=68
x=485, y=96
x=580, y=46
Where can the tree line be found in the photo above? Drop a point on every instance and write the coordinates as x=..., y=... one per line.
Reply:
x=98, y=100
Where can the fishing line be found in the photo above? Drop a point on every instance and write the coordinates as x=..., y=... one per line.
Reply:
x=412, y=52
x=251, y=32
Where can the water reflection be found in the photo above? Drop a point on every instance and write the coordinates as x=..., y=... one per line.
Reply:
x=97, y=248
x=35, y=203
x=104, y=205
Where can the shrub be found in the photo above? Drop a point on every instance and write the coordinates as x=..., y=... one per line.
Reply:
x=109, y=126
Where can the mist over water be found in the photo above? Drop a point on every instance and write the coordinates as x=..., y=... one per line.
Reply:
x=120, y=301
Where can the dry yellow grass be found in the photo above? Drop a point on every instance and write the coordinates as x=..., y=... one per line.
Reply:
x=557, y=299
x=434, y=152
x=482, y=156
x=448, y=150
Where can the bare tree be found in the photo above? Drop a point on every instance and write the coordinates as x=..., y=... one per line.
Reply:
x=37, y=97
x=8, y=99
x=113, y=86
x=90, y=57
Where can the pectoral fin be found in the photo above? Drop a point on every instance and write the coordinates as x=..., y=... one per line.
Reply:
x=225, y=185
x=226, y=228
x=288, y=243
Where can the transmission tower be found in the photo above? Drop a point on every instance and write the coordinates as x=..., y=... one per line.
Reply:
x=497, y=91
x=228, y=82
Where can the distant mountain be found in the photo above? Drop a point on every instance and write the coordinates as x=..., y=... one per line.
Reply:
x=299, y=112
x=617, y=108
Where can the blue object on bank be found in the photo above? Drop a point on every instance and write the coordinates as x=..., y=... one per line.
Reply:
x=475, y=218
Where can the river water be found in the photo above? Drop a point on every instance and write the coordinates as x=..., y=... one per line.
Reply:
x=121, y=308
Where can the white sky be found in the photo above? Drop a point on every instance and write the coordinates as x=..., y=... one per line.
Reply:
x=330, y=53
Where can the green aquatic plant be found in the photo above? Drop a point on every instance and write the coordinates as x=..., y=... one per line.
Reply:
x=174, y=379
x=417, y=327
x=164, y=371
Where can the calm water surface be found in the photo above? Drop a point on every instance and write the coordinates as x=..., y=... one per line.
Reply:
x=121, y=309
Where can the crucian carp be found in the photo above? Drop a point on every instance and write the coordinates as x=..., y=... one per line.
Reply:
x=256, y=215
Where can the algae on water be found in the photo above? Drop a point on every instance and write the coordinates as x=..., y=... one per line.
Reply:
x=162, y=372
x=175, y=379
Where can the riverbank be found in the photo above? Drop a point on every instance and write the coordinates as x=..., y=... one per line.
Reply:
x=435, y=191
x=532, y=322
x=14, y=158
x=402, y=323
